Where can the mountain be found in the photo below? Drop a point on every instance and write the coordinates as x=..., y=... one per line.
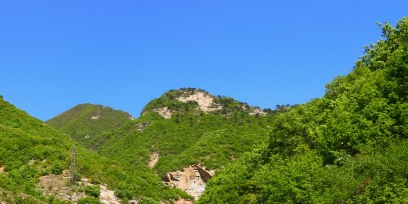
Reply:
x=189, y=130
x=185, y=133
x=349, y=146
x=90, y=124
x=37, y=162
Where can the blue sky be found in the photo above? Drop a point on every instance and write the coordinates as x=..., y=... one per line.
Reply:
x=57, y=54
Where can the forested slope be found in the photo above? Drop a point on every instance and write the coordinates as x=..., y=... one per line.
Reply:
x=30, y=150
x=349, y=146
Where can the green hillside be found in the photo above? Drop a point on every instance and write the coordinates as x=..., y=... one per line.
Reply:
x=212, y=131
x=30, y=150
x=349, y=146
x=90, y=124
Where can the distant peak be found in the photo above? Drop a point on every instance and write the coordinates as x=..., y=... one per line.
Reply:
x=194, y=99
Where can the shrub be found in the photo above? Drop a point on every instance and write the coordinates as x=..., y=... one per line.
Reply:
x=92, y=191
x=57, y=168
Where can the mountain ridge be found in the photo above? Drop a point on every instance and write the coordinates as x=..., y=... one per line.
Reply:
x=90, y=124
x=204, y=101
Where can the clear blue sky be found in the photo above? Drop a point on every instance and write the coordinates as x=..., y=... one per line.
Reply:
x=57, y=54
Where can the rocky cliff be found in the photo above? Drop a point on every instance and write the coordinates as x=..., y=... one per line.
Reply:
x=192, y=179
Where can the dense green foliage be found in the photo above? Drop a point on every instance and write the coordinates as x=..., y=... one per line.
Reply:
x=90, y=125
x=23, y=138
x=30, y=149
x=348, y=147
x=190, y=136
x=88, y=200
x=92, y=191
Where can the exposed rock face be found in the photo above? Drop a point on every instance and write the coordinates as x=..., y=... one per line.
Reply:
x=204, y=100
x=258, y=111
x=108, y=196
x=142, y=126
x=95, y=117
x=191, y=180
x=165, y=112
x=205, y=175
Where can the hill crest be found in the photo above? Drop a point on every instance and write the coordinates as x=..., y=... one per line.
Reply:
x=90, y=124
x=198, y=100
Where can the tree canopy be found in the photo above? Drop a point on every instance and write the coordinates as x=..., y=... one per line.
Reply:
x=349, y=146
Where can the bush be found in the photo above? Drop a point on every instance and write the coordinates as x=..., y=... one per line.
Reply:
x=57, y=168
x=92, y=191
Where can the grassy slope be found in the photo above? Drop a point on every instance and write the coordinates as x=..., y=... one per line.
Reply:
x=78, y=123
x=24, y=138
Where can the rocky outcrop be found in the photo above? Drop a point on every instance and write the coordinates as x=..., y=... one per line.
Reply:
x=205, y=101
x=95, y=117
x=108, y=196
x=257, y=111
x=165, y=112
x=192, y=179
x=205, y=175
x=142, y=126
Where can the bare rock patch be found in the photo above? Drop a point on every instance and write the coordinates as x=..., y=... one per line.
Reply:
x=165, y=112
x=192, y=179
x=205, y=101
x=154, y=158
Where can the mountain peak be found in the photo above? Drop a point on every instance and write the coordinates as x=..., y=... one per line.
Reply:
x=194, y=99
x=90, y=123
x=204, y=100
